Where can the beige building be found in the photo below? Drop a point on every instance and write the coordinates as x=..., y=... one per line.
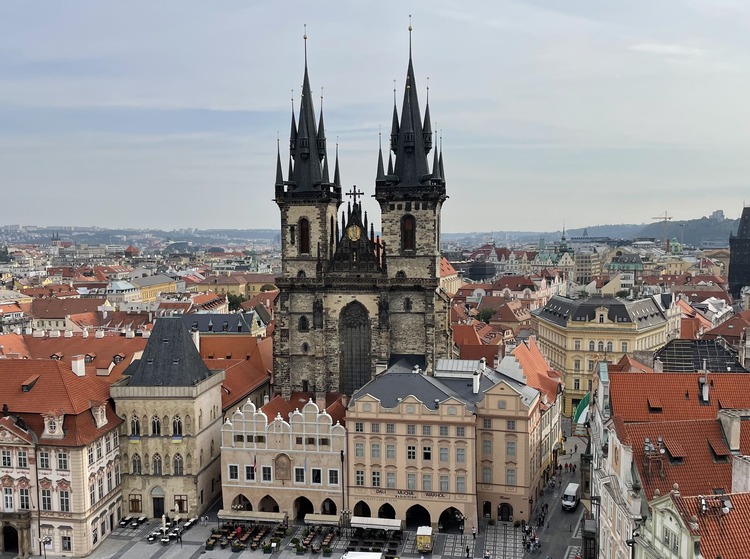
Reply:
x=171, y=405
x=574, y=334
x=286, y=457
x=153, y=286
x=61, y=469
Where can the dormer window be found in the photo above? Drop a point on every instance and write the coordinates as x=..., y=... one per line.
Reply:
x=100, y=415
x=53, y=426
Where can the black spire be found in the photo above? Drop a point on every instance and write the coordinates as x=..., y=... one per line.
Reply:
x=442, y=171
x=390, y=164
x=325, y=178
x=411, y=166
x=436, y=165
x=321, y=134
x=279, y=174
x=427, y=130
x=336, y=175
x=381, y=172
x=394, y=122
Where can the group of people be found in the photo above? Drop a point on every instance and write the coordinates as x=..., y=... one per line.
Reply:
x=531, y=541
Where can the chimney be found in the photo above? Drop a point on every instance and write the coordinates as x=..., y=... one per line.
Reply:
x=39, y=333
x=99, y=334
x=54, y=333
x=658, y=366
x=68, y=333
x=27, y=331
x=146, y=334
x=483, y=365
x=730, y=424
x=197, y=340
x=475, y=382
x=130, y=334
x=79, y=365
x=265, y=399
x=85, y=333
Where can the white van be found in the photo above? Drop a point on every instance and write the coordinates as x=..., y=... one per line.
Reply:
x=571, y=496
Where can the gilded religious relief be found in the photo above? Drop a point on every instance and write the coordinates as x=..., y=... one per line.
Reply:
x=283, y=467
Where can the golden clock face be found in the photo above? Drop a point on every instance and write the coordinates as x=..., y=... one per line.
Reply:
x=353, y=232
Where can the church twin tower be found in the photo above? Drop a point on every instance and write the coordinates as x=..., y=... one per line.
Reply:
x=353, y=303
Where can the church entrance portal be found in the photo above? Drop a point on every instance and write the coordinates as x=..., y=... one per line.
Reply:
x=355, y=366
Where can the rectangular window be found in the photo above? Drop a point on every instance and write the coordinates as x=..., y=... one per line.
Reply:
x=359, y=427
x=107, y=445
x=135, y=503
x=460, y=484
x=510, y=476
x=109, y=481
x=91, y=455
x=44, y=460
x=375, y=450
x=426, y=482
x=8, y=499
x=426, y=453
x=100, y=487
x=115, y=439
x=511, y=425
x=117, y=475
x=23, y=459
x=411, y=429
x=411, y=481
x=376, y=479
x=444, y=483
x=47, y=499
x=590, y=365
x=333, y=477
x=64, y=501
x=234, y=472
x=62, y=460
x=316, y=474
x=460, y=431
x=390, y=451
x=67, y=544
x=487, y=423
x=487, y=447
x=443, y=430
x=266, y=473
x=298, y=440
x=299, y=475
x=24, y=497
x=7, y=459
x=411, y=452
x=576, y=364
x=359, y=450
x=249, y=473
x=375, y=427
x=576, y=384
x=577, y=345
x=390, y=428
x=461, y=456
x=510, y=448
x=486, y=474
x=624, y=347
x=426, y=430
x=390, y=479
x=181, y=503
x=443, y=454
x=99, y=449
x=359, y=478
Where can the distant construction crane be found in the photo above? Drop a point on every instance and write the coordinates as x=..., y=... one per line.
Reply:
x=666, y=219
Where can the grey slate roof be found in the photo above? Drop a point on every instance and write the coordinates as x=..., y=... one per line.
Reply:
x=643, y=312
x=688, y=356
x=169, y=359
x=151, y=280
x=213, y=322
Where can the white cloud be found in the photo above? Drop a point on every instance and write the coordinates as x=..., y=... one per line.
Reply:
x=667, y=49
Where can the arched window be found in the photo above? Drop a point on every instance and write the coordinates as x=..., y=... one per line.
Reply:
x=591, y=346
x=157, y=465
x=304, y=236
x=304, y=324
x=155, y=426
x=400, y=274
x=305, y=347
x=136, y=466
x=601, y=346
x=609, y=346
x=178, y=466
x=200, y=419
x=408, y=233
x=135, y=426
x=407, y=304
x=177, y=426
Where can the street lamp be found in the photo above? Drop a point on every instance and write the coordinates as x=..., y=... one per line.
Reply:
x=44, y=542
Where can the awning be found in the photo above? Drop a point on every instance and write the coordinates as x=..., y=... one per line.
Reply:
x=252, y=516
x=581, y=414
x=323, y=519
x=377, y=523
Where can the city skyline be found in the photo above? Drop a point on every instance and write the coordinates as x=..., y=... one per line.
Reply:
x=167, y=116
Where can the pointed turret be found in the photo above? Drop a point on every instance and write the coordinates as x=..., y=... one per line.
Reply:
x=394, y=124
x=321, y=134
x=442, y=171
x=279, y=174
x=325, y=178
x=436, y=176
x=427, y=130
x=336, y=175
x=381, y=171
x=390, y=164
x=293, y=133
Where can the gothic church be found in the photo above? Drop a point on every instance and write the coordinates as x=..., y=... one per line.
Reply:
x=351, y=302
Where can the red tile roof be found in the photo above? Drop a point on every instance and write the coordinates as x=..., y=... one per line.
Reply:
x=60, y=308
x=689, y=460
x=446, y=268
x=678, y=393
x=721, y=535
x=240, y=380
x=538, y=373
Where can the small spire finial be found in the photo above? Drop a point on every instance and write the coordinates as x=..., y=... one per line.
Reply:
x=321, y=97
x=305, y=38
x=410, y=28
x=428, y=89
x=292, y=90
x=394, y=92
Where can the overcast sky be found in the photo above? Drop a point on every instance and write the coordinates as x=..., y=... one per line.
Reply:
x=577, y=112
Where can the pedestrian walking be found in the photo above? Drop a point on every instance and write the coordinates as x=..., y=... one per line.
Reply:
x=468, y=551
x=575, y=448
x=574, y=468
x=474, y=532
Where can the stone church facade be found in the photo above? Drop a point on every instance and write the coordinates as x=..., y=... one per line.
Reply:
x=352, y=301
